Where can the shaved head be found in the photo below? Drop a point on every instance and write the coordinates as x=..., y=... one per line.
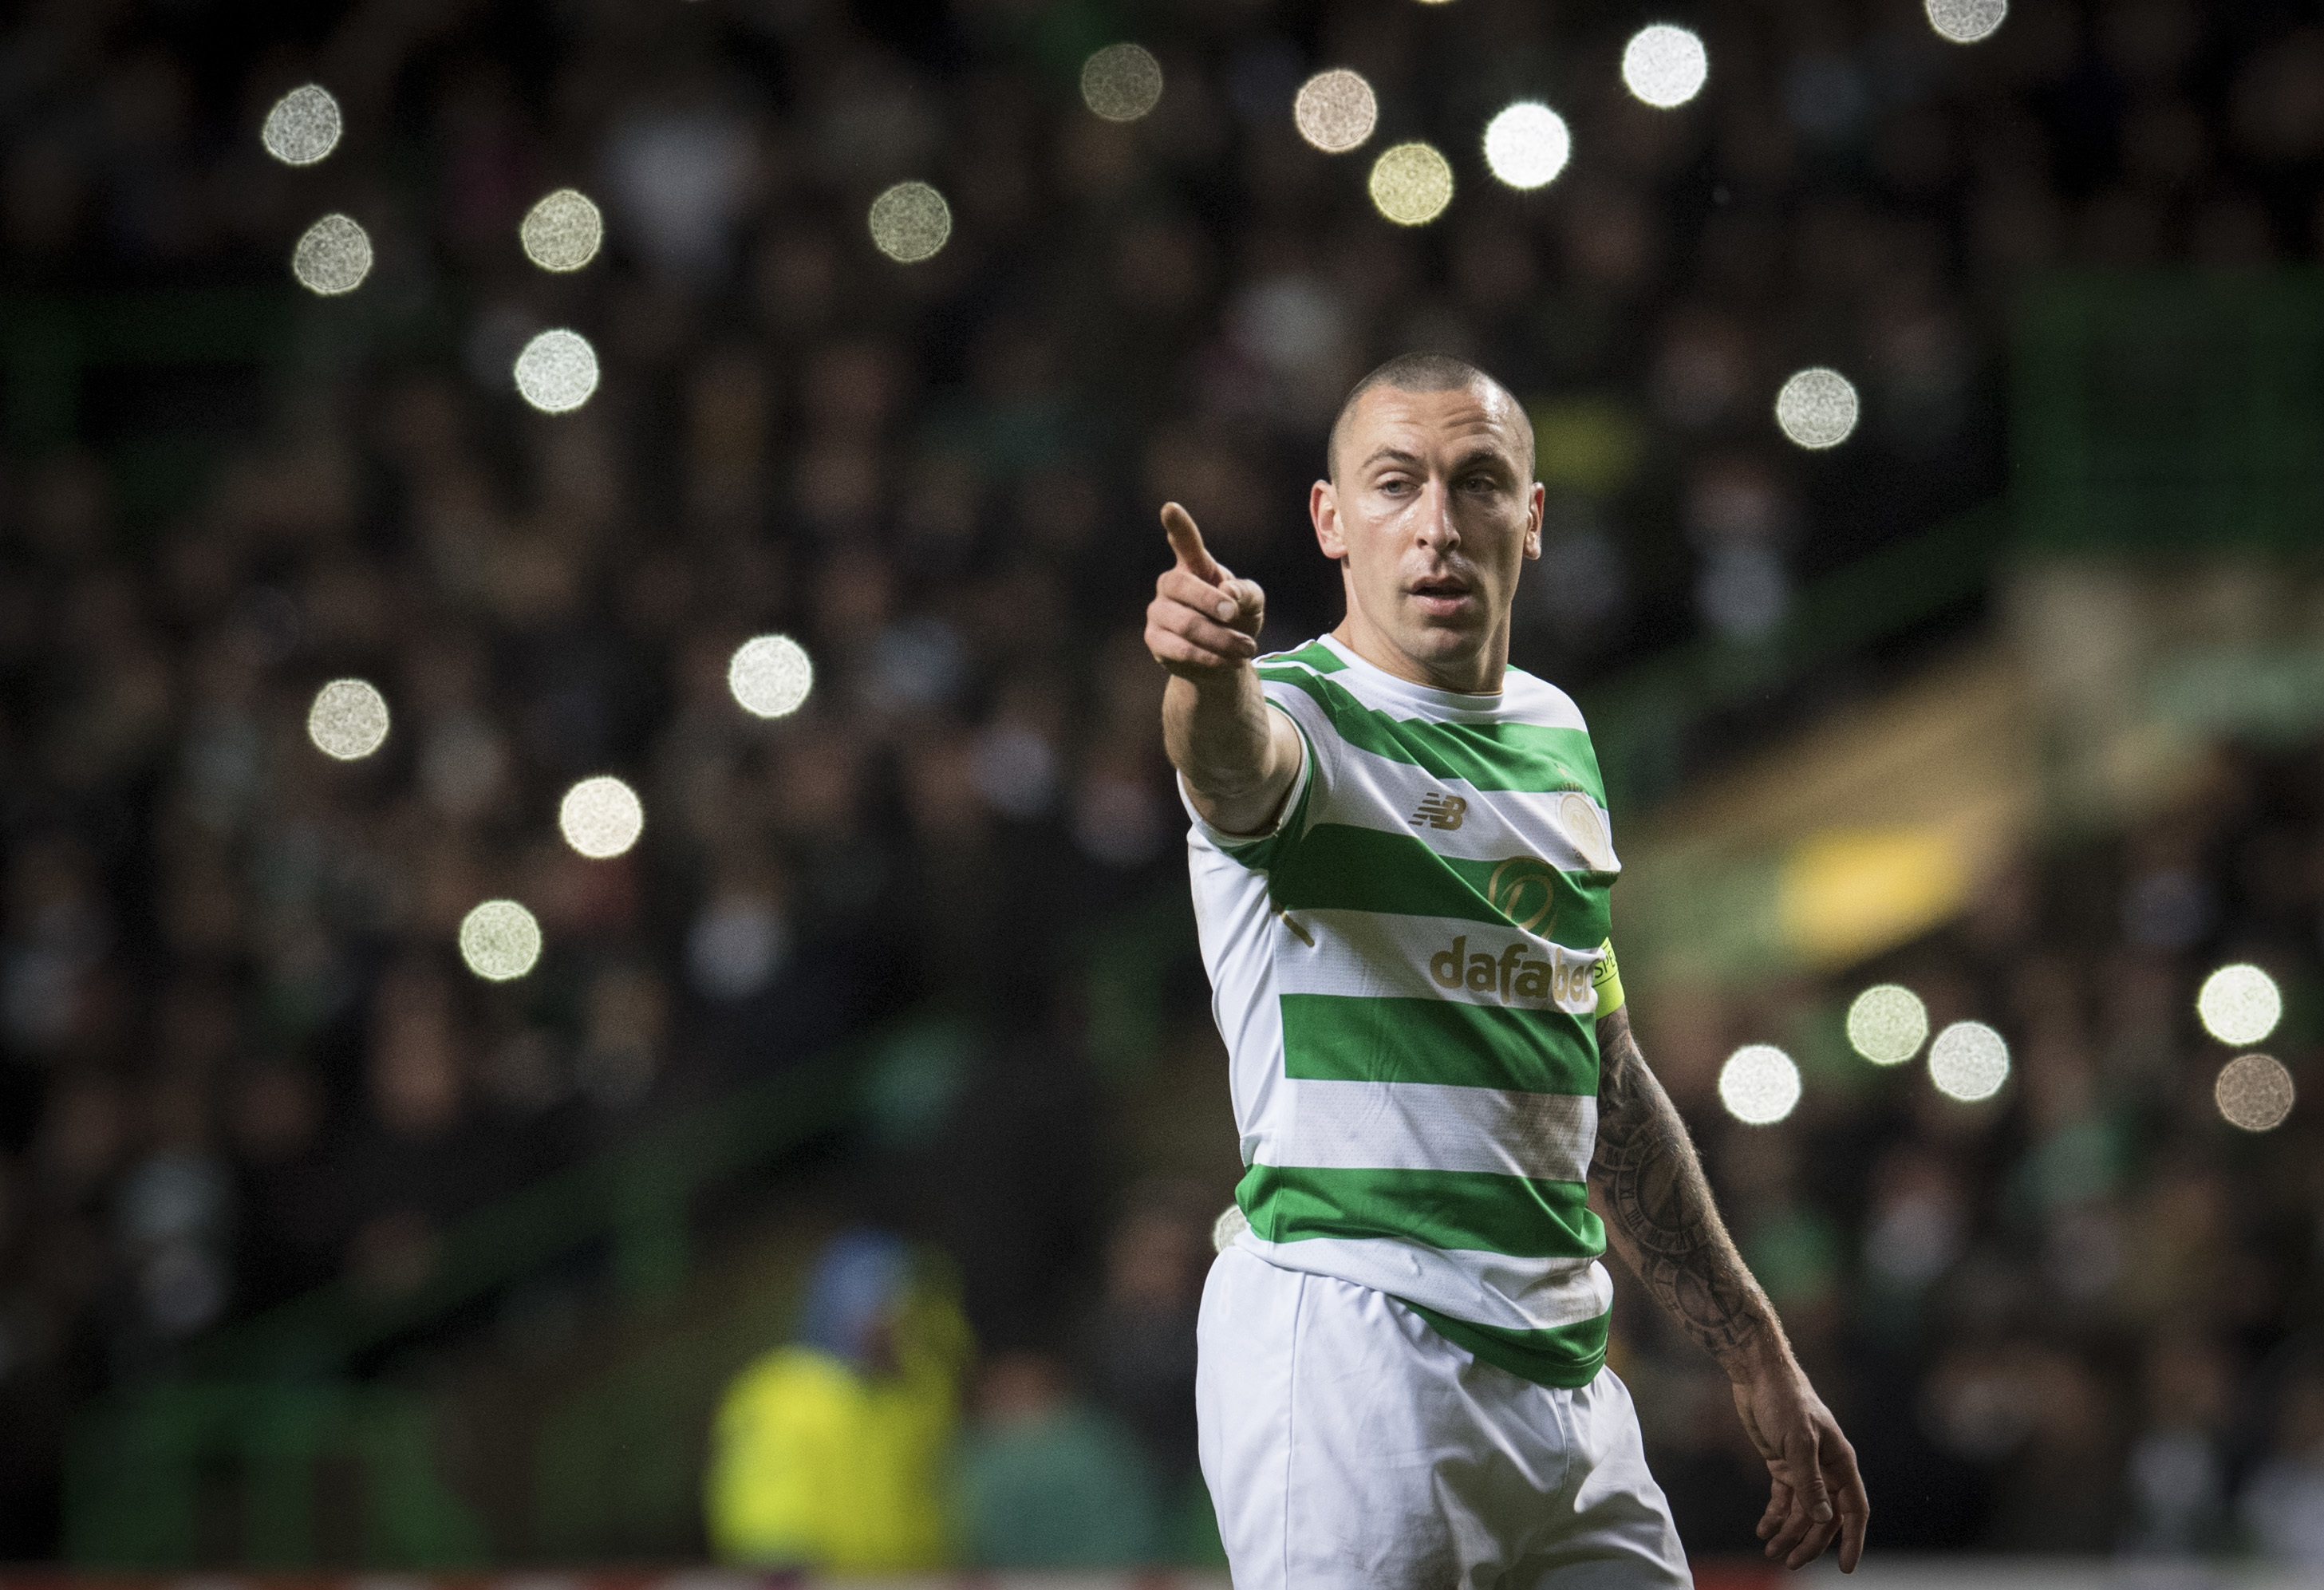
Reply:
x=1426, y=372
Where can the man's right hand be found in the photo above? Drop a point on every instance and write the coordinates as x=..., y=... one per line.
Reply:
x=1203, y=623
x=1239, y=756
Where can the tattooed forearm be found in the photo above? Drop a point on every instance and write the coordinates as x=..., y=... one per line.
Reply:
x=1650, y=1189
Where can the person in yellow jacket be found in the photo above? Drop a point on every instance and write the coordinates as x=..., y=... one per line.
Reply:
x=833, y=1453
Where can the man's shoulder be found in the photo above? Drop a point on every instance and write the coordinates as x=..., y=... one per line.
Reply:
x=1312, y=682
x=1529, y=698
x=1314, y=657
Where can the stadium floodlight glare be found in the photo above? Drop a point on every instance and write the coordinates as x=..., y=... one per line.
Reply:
x=1817, y=407
x=1968, y=1061
x=348, y=719
x=910, y=222
x=601, y=817
x=557, y=373
x=303, y=127
x=1664, y=66
x=1335, y=111
x=1886, y=1023
x=1965, y=21
x=1759, y=1085
x=563, y=232
x=1411, y=184
x=1122, y=82
x=2239, y=1005
x=333, y=256
x=1528, y=144
x=771, y=676
x=2255, y=1093
x=499, y=940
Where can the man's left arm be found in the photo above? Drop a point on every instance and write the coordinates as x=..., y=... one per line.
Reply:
x=1651, y=1192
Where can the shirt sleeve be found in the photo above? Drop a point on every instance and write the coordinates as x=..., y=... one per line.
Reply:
x=1260, y=851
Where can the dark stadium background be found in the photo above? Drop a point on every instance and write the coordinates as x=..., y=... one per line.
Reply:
x=317, y=1251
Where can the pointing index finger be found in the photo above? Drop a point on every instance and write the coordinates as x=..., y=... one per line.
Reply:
x=1186, y=542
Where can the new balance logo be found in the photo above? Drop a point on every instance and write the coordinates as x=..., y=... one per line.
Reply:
x=1439, y=810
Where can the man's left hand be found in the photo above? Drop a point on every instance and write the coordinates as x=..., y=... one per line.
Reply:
x=1814, y=1491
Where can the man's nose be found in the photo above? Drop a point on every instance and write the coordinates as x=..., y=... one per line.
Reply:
x=1435, y=527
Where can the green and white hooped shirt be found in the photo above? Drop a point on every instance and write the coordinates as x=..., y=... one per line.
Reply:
x=1408, y=972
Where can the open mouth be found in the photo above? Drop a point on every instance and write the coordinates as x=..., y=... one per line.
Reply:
x=1441, y=591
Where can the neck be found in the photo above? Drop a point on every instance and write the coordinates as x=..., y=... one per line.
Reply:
x=1477, y=674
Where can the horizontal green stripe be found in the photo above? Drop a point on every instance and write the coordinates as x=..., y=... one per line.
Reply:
x=1568, y=1356
x=1344, y=1038
x=1520, y=756
x=1338, y=866
x=1516, y=1215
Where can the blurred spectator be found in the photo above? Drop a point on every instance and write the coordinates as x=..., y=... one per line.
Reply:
x=2178, y=1465
x=1139, y=1346
x=2283, y=1500
x=1049, y=1482
x=831, y=1453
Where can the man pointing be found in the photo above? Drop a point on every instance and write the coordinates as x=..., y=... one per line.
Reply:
x=1400, y=861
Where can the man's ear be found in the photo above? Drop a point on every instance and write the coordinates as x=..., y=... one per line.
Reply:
x=1535, y=505
x=1324, y=509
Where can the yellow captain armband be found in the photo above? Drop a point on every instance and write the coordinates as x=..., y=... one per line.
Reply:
x=1608, y=981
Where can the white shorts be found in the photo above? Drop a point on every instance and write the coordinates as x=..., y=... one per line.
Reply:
x=1347, y=1445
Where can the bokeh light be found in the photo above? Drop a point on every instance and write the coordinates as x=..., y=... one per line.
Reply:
x=2239, y=1005
x=910, y=222
x=1335, y=111
x=1664, y=66
x=2254, y=1092
x=500, y=939
x=563, y=232
x=1411, y=184
x=601, y=817
x=1528, y=144
x=1122, y=82
x=1968, y=1061
x=1817, y=407
x=557, y=372
x=303, y=127
x=1759, y=1085
x=1886, y=1023
x=1965, y=21
x=771, y=676
x=333, y=256
x=348, y=719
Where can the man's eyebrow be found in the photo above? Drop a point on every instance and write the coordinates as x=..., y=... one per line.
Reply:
x=1393, y=455
x=1483, y=456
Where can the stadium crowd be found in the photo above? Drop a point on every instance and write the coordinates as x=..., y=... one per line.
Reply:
x=241, y=1057
x=2081, y=1316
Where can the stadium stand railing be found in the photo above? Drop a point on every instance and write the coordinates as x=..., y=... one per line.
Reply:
x=2167, y=413
x=1642, y=720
